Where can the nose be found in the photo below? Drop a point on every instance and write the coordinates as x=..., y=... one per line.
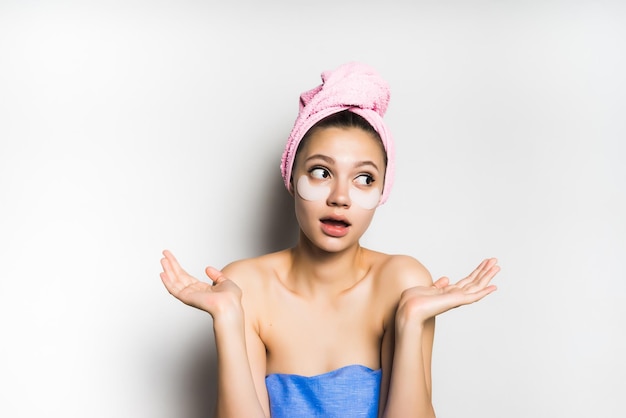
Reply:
x=339, y=194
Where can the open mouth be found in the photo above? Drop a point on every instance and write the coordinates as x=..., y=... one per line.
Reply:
x=335, y=222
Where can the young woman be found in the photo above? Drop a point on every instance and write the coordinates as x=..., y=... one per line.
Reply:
x=329, y=328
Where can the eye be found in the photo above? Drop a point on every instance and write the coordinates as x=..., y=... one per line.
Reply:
x=364, y=179
x=319, y=173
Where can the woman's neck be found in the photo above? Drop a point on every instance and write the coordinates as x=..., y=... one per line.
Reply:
x=314, y=270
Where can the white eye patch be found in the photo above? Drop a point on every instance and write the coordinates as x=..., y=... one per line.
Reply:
x=366, y=199
x=312, y=192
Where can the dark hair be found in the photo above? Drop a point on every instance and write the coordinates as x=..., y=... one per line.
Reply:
x=343, y=119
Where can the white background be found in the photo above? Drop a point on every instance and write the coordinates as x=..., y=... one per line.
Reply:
x=129, y=127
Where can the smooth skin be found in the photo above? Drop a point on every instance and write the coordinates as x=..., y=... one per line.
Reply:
x=327, y=302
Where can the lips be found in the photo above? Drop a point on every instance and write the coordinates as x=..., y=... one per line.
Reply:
x=335, y=227
x=335, y=221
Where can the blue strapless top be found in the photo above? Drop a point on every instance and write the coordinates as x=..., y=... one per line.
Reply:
x=348, y=392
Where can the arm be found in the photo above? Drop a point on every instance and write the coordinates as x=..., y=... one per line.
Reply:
x=410, y=386
x=406, y=355
x=241, y=378
x=237, y=393
x=409, y=390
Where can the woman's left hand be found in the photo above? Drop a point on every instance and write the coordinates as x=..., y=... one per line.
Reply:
x=423, y=302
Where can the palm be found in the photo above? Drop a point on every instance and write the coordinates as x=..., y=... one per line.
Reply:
x=427, y=302
x=213, y=298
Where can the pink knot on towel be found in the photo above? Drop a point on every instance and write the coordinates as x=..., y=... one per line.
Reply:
x=355, y=87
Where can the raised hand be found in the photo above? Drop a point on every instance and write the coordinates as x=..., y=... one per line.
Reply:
x=422, y=302
x=221, y=296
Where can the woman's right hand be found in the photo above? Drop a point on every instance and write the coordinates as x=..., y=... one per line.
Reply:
x=222, y=297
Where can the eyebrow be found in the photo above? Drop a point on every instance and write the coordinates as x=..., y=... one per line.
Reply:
x=329, y=160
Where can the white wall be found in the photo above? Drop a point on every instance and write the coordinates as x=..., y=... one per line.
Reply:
x=129, y=127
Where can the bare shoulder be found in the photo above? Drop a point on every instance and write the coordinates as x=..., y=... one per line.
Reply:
x=404, y=271
x=253, y=272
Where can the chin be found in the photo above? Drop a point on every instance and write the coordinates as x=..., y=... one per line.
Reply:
x=334, y=245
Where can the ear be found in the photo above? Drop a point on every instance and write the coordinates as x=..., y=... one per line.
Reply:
x=291, y=186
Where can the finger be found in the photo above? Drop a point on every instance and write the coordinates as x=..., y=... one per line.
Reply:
x=175, y=265
x=177, y=276
x=483, y=279
x=171, y=285
x=442, y=282
x=472, y=276
x=215, y=275
x=168, y=272
x=488, y=276
x=484, y=268
x=487, y=268
x=168, y=269
x=476, y=296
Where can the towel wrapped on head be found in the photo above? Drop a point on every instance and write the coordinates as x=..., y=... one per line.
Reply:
x=355, y=87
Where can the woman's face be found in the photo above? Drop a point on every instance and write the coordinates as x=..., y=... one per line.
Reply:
x=337, y=182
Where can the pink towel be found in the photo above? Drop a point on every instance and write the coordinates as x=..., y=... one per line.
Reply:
x=353, y=86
